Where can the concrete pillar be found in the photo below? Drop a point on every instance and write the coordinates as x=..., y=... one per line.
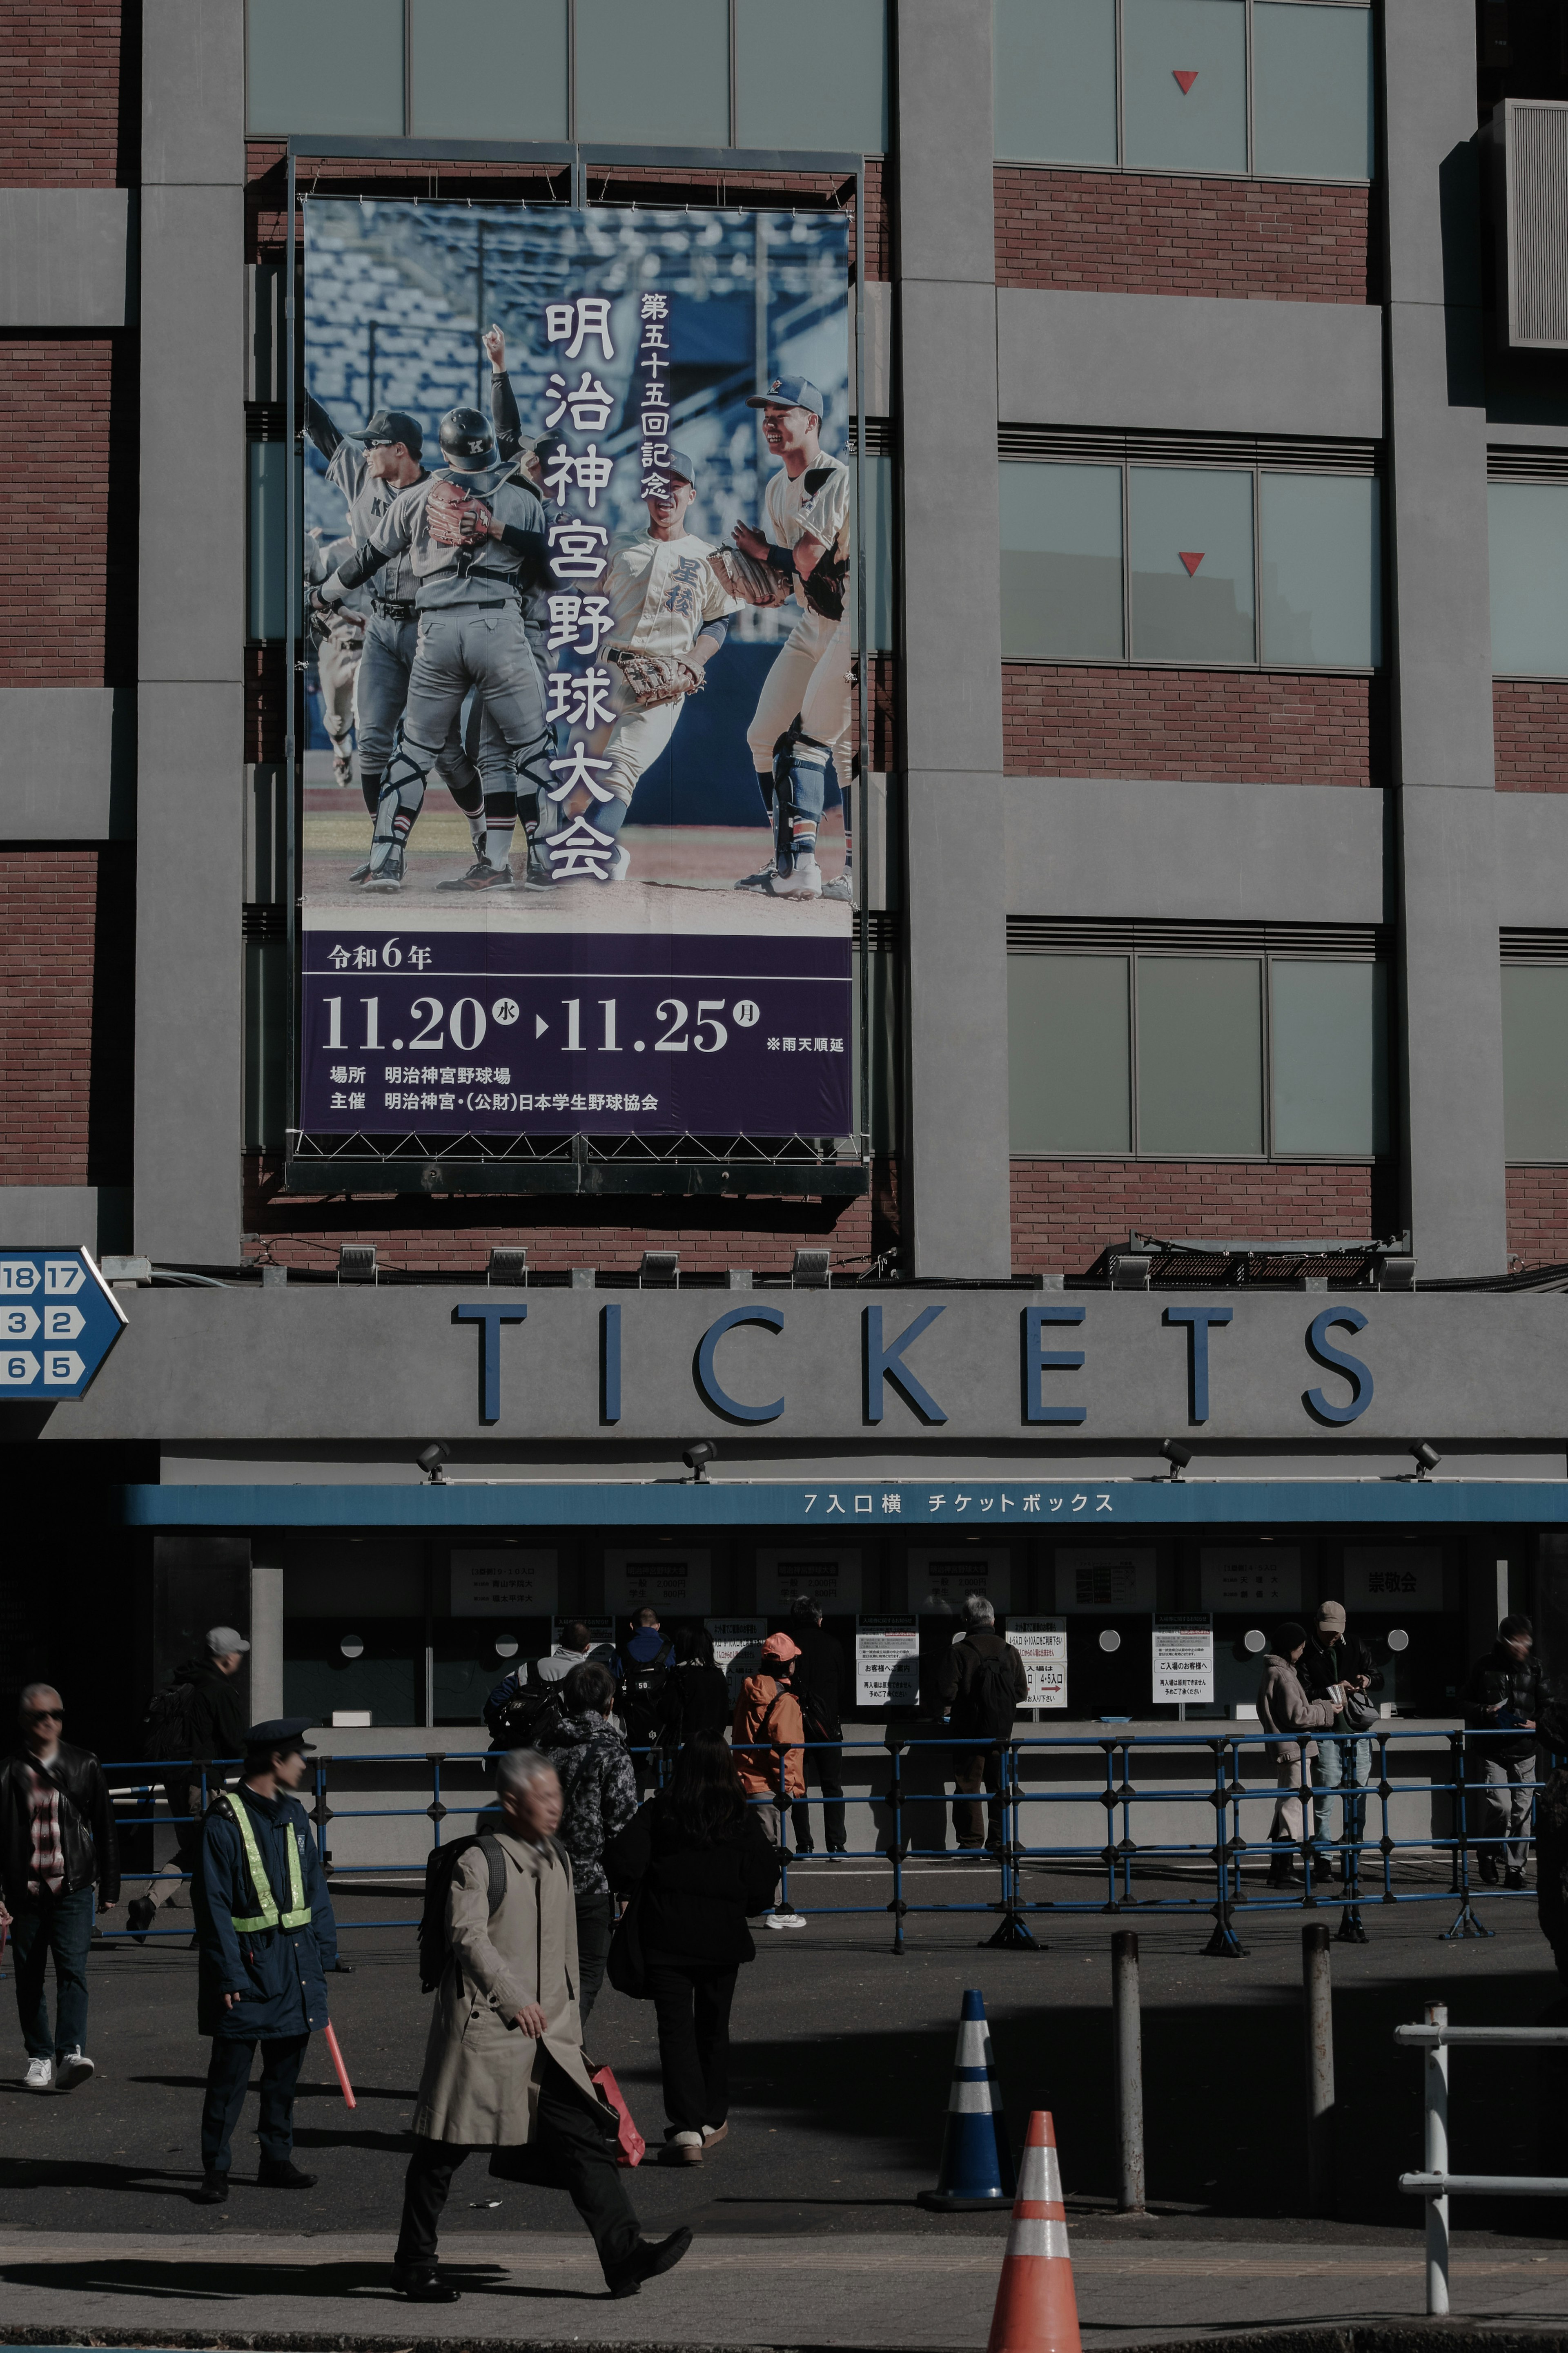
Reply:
x=266, y=1631
x=954, y=1167
x=1450, y=996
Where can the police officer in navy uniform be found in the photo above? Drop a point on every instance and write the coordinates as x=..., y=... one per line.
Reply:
x=267, y=1934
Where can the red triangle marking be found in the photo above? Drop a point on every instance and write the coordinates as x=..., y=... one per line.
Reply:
x=1184, y=80
x=1191, y=561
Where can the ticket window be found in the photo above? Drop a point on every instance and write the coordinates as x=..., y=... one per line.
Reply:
x=354, y=1633
x=467, y=1660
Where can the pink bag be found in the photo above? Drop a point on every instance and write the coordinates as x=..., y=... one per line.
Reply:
x=630, y=2146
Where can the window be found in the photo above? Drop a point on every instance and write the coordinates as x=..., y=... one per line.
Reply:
x=1278, y=88
x=659, y=74
x=1528, y=530
x=519, y=90
x=1205, y=565
x=776, y=106
x=310, y=67
x=1535, y=1061
x=1172, y=1051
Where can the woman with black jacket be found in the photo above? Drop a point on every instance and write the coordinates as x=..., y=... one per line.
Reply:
x=697, y=1702
x=703, y=1865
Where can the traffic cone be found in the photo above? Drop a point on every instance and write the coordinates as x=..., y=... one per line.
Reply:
x=1036, y=2310
x=976, y=2167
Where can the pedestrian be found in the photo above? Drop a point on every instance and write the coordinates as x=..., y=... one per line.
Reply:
x=982, y=1683
x=697, y=1694
x=767, y=1732
x=1284, y=1707
x=819, y=1687
x=56, y=1845
x=1335, y=1657
x=199, y=1719
x=644, y=1696
x=1503, y=1701
x=699, y=1863
x=503, y=2065
x=266, y=1935
x=598, y=1798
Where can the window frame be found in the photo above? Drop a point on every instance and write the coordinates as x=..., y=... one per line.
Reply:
x=1535, y=952
x=1131, y=461
x=1189, y=171
x=1511, y=466
x=1127, y=952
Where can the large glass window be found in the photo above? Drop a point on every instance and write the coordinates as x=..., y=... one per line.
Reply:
x=654, y=76
x=1166, y=1054
x=1190, y=541
x=311, y=67
x=1535, y=1061
x=1528, y=529
x=487, y=68
x=1319, y=544
x=778, y=106
x=1061, y=562
x=878, y=477
x=1278, y=88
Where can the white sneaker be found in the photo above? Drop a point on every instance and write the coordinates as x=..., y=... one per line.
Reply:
x=804, y=882
x=785, y=1920
x=73, y=2069
x=621, y=865
x=40, y=2075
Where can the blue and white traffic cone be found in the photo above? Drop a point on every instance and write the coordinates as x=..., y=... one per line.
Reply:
x=976, y=2169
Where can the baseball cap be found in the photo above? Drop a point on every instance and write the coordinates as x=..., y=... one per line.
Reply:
x=1331, y=1613
x=678, y=462
x=789, y=392
x=222, y=1640
x=779, y=1646
x=389, y=425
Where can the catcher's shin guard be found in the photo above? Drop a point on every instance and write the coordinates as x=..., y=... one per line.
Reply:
x=802, y=789
x=402, y=797
x=461, y=778
x=500, y=819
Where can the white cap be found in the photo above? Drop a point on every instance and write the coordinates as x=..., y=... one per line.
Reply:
x=222, y=1640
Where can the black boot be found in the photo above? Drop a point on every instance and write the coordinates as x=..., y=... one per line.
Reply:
x=423, y=2284
x=212, y=2191
x=285, y=2176
x=647, y=2261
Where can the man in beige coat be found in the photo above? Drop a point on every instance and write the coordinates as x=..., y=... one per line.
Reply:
x=1283, y=1707
x=504, y=2067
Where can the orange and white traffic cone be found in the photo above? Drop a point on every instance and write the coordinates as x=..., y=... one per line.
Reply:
x=1036, y=2310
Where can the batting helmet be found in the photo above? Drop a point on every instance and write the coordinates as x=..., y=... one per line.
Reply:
x=467, y=442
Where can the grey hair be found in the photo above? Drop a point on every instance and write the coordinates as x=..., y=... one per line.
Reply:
x=33, y=1693
x=519, y=1768
x=978, y=1610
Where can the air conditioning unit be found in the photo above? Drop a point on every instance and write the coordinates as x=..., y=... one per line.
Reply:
x=1528, y=158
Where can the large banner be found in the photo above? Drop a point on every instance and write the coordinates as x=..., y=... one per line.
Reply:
x=579, y=579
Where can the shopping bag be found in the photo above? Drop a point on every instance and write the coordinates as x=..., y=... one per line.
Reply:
x=630, y=2146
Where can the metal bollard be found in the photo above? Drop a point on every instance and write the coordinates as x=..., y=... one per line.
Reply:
x=1318, y=1986
x=1127, y=2030
x=1435, y=2103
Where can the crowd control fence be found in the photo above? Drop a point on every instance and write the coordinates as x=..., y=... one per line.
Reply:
x=1088, y=1820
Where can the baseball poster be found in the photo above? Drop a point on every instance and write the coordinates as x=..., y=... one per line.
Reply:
x=579, y=594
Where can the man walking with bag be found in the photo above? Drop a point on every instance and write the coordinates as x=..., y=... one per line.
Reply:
x=982, y=1682
x=503, y=2065
x=57, y=1841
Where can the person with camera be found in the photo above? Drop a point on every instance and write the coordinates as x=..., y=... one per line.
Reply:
x=1336, y=1661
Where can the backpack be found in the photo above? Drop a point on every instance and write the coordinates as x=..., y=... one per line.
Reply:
x=988, y=1703
x=434, y=1946
x=513, y=1710
x=168, y=1726
x=642, y=1696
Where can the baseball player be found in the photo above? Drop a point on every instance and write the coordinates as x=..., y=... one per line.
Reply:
x=339, y=645
x=472, y=536
x=370, y=470
x=801, y=720
x=667, y=607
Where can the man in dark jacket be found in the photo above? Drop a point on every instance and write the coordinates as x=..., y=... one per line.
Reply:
x=1503, y=1701
x=982, y=1683
x=202, y=1714
x=267, y=1936
x=598, y=1799
x=643, y=1696
x=818, y=1686
x=56, y=1844
x=1332, y=1656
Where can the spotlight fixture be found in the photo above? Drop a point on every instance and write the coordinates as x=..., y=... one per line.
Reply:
x=430, y=1459
x=809, y=1270
x=356, y=1262
x=507, y=1266
x=697, y=1456
x=660, y=1267
x=1426, y=1459
x=1177, y=1455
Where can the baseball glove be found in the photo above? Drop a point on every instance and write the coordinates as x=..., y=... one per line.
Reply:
x=456, y=517
x=741, y=575
x=825, y=586
x=658, y=678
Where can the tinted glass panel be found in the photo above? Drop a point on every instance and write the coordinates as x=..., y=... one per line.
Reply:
x=879, y=480
x=488, y=69
x=1191, y=538
x=1329, y=1068
x=1200, y=1054
x=780, y=106
x=1201, y=127
x=1320, y=570
x=1067, y=1054
x=1529, y=533
x=311, y=67
x=266, y=611
x=1062, y=562
x=1535, y=1061
x=1055, y=67
x=1311, y=92
x=654, y=77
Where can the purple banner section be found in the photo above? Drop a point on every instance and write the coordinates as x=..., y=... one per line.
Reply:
x=481, y=1033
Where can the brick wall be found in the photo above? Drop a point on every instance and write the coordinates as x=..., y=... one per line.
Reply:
x=1538, y=1216
x=1530, y=732
x=1065, y=1211
x=67, y=517
x=1267, y=727
x=65, y=975
x=1142, y=232
x=71, y=108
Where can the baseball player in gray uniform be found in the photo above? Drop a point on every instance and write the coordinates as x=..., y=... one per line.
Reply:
x=472, y=536
x=339, y=645
x=370, y=470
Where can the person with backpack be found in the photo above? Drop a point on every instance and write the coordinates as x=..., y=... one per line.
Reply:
x=982, y=1682
x=697, y=1863
x=697, y=1694
x=643, y=1704
x=56, y=1845
x=818, y=1684
x=503, y=2064
x=598, y=1798
x=198, y=1717
x=766, y=1733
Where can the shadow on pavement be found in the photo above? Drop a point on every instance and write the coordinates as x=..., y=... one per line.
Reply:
x=85, y=2173
x=243, y=2283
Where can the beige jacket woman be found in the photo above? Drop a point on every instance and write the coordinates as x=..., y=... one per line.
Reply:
x=478, y=2087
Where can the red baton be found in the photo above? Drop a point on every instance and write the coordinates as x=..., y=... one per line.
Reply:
x=349, y=2099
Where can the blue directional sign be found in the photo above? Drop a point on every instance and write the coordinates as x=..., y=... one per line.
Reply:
x=59, y=1320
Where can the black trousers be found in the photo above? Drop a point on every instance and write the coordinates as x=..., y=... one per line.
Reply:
x=691, y=2004
x=826, y=1768
x=595, y=1927
x=572, y=2150
x=229, y=2079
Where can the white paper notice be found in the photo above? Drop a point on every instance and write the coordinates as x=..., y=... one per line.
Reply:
x=675, y=1584
x=1184, y=1661
x=738, y=1649
x=1042, y=1645
x=887, y=1663
x=504, y=1583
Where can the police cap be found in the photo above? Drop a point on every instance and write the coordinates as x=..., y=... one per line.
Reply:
x=281, y=1733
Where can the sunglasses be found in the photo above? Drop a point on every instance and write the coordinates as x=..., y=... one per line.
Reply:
x=46, y=1716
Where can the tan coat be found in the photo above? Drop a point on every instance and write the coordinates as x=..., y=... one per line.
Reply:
x=478, y=2087
x=1283, y=1706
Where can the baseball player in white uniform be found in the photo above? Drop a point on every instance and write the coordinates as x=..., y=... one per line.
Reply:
x=802, y=720
x=664, y=605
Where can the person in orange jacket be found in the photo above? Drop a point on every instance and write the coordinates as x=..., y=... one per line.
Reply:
x=768, y=1720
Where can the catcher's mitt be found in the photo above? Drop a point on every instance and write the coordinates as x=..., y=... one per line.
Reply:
x=741, y=575
x=656, y=678
x=455, y=516
x=824, y=587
